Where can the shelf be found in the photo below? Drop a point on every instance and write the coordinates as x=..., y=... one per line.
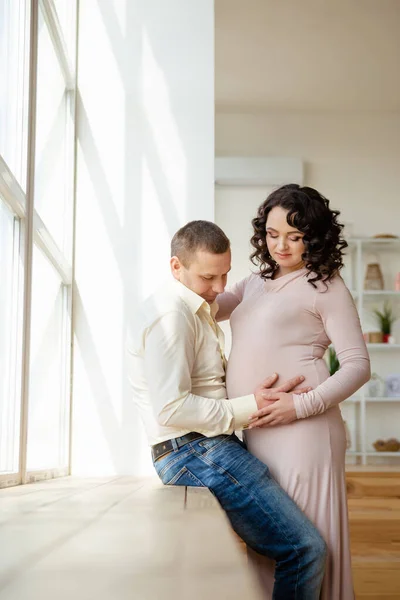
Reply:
x=380, y=293
x=353, y=453
x=373, y=416
x=380, y=346
x=381, y=399
x=397, y=454
x=375, y=294
x=383, y=346
x=373, y=241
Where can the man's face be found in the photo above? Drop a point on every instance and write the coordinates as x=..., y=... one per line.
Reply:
x=206, y=274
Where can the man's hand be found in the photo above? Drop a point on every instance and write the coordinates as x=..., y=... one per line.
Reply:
x=276, y=407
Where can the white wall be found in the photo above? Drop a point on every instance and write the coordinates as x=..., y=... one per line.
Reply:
x=145, y=167
x=352, y=158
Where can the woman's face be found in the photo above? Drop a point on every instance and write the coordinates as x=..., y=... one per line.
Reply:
x=285, y=243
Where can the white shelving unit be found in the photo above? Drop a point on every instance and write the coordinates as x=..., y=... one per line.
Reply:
x=357, y=409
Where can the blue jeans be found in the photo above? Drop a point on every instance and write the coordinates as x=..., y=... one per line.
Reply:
x=260, y=512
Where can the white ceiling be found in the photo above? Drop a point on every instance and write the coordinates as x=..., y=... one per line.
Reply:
x=307, y=55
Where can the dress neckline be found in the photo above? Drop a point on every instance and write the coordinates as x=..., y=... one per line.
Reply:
x=286, y=278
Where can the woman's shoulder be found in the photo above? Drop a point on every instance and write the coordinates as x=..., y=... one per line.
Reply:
x=252, y=280
x=255, y=278
x=331, y=286
x=333, y=295
x=248, y=286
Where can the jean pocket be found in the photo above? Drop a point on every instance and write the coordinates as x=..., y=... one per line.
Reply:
x=183, y=477
x=170, y=463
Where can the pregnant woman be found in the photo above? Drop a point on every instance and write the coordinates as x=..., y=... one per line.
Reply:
x=283, y=318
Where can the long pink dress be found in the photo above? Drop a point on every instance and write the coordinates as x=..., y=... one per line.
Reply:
x=284, y=326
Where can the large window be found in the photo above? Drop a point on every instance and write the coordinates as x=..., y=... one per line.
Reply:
x=37, y=140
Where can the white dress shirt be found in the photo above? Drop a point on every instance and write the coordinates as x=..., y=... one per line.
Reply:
x=177, y=368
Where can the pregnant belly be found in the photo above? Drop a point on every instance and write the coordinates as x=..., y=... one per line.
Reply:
x=246, y=370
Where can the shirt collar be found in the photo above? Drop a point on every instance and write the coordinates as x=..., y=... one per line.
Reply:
x=193, y=300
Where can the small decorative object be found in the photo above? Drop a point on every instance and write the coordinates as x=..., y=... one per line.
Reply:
x=392, y=385
x=375, y=337
x=385, y=236
x=376, y=386
x=386, y=319
x=391, y=445
x=397, y=283
x=373, y=278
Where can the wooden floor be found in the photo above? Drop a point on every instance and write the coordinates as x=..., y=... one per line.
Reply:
x=374, y=512
x=121, y=538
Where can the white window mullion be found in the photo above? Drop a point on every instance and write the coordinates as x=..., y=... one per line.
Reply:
x=23, y=96
x=11, y=191
x=44, y=240
x=53, y=24
x=65, y=413
x=10, y=345
x=27, y=238
x=17, y=333
x=70, y=154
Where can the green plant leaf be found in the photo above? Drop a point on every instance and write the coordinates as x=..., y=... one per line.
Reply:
x=385, y=318
x=333, y=362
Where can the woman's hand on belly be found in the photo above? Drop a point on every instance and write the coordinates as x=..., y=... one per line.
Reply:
x=280, y=410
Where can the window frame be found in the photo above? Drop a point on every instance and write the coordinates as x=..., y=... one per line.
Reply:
x=31, y=230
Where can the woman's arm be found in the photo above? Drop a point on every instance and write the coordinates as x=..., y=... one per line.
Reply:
x=342, y=325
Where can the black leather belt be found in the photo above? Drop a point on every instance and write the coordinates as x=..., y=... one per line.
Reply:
x=159, y=450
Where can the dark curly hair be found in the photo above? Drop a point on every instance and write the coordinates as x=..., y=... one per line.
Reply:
x=309, y=212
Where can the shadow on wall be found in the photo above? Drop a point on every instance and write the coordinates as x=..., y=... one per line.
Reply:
x=135, y=174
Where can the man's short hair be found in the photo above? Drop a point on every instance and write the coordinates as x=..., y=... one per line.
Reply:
x=198, y=235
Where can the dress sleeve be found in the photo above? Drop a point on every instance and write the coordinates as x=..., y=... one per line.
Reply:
x=336, y=308
x=230, y=299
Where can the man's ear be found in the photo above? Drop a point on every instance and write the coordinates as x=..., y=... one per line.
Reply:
x=176, y=267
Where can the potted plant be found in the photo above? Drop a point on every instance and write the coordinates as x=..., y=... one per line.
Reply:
x=385, y=319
